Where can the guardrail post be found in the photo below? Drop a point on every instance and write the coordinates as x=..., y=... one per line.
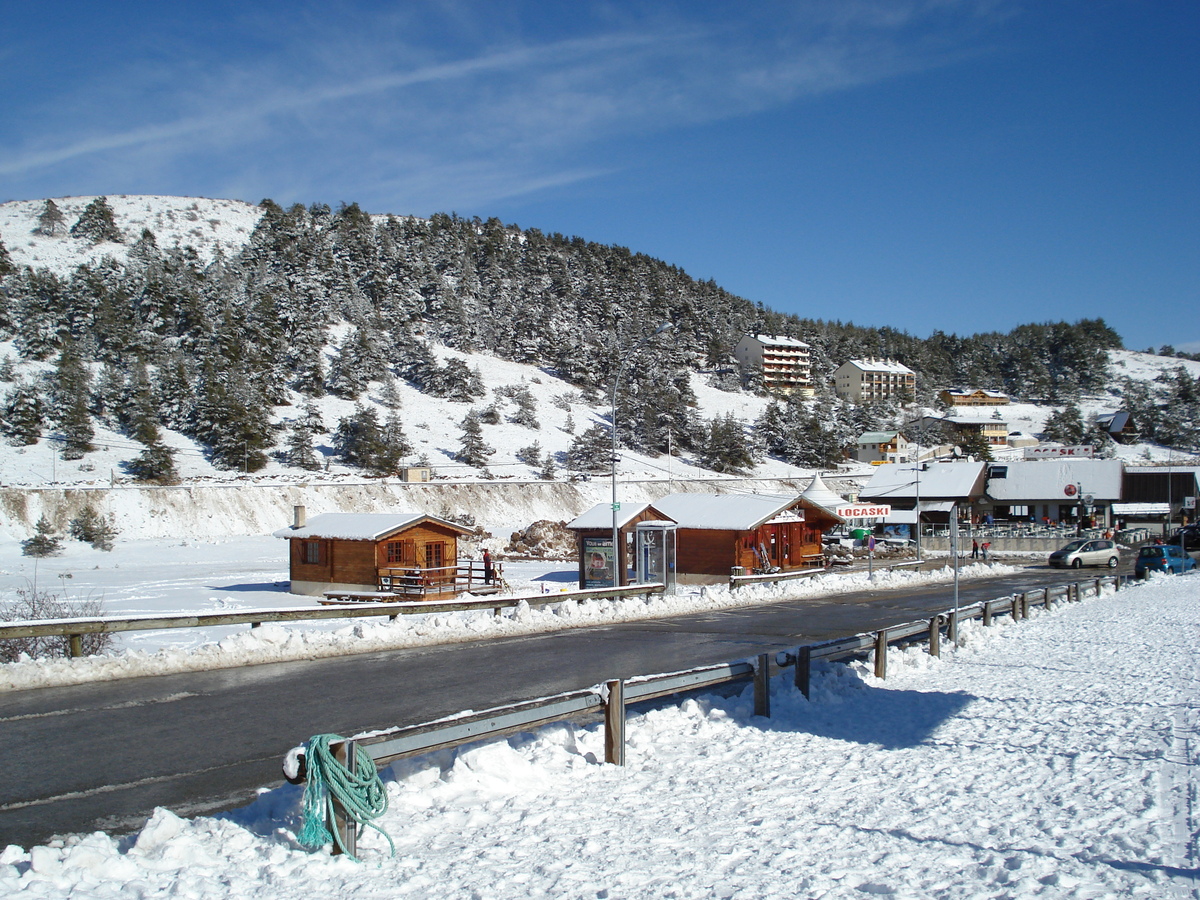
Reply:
x=952, y=627
x=762, y=686
x=75, y=645
x=1021, y=605
x=614, y=724
x=987, y=613
x=935, y=636
x=803, y=670
x=342, y=825
x=1098, y=580
x=881, y=645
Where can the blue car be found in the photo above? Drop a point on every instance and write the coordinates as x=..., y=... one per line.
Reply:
x=1162, y=558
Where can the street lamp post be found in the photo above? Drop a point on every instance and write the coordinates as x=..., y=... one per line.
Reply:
x=616, y=506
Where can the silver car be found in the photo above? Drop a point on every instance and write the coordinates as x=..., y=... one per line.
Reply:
x=1094, y=552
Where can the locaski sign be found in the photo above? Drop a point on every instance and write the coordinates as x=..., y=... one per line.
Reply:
x=864, y=511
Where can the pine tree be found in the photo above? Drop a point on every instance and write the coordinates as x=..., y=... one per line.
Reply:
x=725, y=448
x=70, y=403
x=591, y=451
x=93, y=528
x=299, y=453
x=395, y=446
x=23, y=416
x=474, y=451
x=358, y=439
x=548, y=470
x=96, y=223
x=531, y=455
x=154, y=465
x=1065, y=426
x=44, y=541
x=51, y=221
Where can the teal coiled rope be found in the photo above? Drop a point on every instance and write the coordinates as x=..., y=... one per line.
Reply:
x=361, y=794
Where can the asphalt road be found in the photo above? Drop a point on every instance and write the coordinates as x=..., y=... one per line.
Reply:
x=102, y=756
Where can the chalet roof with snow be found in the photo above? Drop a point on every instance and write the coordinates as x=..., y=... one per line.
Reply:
x=601, y=516
x=946, y=481
x=878, y=437
x=1048, y=479
x=361, y=526
x=724, y=512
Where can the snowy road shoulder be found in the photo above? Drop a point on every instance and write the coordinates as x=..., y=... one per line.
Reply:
x=218, y=648
x=1048, y=758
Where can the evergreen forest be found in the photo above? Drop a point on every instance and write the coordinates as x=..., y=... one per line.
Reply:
x=327, y=301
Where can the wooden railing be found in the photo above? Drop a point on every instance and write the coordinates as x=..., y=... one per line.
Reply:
x=415, y=582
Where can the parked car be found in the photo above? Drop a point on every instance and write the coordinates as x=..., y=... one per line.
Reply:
x=1162, y=558
x=1085, y=553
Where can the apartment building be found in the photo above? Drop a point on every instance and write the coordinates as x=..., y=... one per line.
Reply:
x=785, y=362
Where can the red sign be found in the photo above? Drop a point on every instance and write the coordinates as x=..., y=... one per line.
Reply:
x=864, y=511
x=1070, y=490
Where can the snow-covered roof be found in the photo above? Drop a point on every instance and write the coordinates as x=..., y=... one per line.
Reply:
x=733, y=512
x=360, y=526
x=969, y=392
x=770, y=340
x=601, y=516
x=819, y=494
x=1141, y=509
x=1048, y=479
x=877, y=437
x=880, y=365
x=939, y=480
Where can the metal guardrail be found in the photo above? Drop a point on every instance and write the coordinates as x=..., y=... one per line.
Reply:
x=608, y=701
x=74, y=629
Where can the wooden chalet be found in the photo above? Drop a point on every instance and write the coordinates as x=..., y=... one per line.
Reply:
x=404, y=555
x=594, y=531
x=756, y=532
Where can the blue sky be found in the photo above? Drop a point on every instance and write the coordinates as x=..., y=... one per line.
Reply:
x=964, y=165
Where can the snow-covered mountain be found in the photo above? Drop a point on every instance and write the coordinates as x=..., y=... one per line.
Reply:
x=559, y=412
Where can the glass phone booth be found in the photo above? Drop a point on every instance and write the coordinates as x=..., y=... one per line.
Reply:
x=655, y=550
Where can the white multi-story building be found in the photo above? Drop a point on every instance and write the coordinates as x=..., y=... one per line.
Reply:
x=785, y=362
x=870, y=380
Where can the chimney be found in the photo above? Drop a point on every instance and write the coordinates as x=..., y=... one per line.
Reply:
x=298, y=517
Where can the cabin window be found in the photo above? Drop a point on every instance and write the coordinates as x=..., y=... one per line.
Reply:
x=312, y=553
x=401, y=553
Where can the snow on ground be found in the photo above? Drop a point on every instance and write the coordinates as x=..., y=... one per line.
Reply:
x=197, y=222
x=1053, y=758
x=148, y=577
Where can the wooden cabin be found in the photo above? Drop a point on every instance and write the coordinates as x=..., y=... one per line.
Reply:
x=756, y=532
x=594, y=532
x=410, y=555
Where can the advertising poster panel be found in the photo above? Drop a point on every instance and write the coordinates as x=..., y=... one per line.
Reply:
x=598, y=565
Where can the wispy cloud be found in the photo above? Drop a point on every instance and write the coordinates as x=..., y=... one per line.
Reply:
x=517, y=112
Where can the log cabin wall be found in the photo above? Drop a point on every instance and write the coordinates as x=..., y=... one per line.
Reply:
x=703, y=551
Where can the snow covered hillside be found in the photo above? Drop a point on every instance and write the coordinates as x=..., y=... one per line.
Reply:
x=1012, y=767
x=205, y=225
x=532, y=414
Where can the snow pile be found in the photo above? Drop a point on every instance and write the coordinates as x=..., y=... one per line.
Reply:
x=246, y=575
x=1051, y=759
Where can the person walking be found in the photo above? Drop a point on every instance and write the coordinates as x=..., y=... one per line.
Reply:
x=984, y=547
x=488, y=572
x=974, y=549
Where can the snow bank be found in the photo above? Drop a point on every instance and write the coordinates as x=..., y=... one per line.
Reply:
x=1051, y=759
x=158, y=577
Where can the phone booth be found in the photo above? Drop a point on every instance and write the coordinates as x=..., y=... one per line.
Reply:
x=655, y=550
